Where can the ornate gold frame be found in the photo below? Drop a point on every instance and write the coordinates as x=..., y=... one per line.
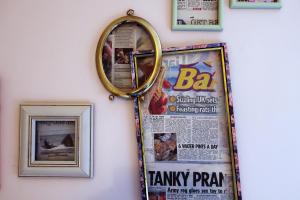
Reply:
x=130, y=18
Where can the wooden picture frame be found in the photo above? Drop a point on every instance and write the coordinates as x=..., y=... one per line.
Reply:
x=252, y=4
x=56, y=140
x=172, y=120
x=199, y=16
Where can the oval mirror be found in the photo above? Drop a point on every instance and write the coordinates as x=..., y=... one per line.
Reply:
x=119, y=40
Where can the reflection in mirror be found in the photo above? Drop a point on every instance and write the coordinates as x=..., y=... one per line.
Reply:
x=123, y=40
x=145, y=66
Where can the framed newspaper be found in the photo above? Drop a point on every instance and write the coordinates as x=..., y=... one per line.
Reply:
x=56, y=140
x=197, y=15
x=276, y=4
x=185, y=126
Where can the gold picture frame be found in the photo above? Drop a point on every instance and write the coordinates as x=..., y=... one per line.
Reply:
x=130, y=18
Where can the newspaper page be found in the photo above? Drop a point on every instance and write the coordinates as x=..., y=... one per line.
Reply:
x=185, y=130
x=197, y=12
x=116, y=57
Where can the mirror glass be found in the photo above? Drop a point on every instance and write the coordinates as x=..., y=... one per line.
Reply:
x=124, y=39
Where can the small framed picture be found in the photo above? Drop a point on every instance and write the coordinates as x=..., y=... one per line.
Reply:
x=197, y=15
x=56, y=140
x=276, y=4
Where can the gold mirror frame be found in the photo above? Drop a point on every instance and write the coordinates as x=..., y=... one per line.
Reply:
x=130, y=18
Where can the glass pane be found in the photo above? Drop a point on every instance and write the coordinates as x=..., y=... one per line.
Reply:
x=120, y=43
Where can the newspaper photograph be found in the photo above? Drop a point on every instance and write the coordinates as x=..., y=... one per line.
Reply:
x=197, y=12
x=116, y=53
x=185, y=130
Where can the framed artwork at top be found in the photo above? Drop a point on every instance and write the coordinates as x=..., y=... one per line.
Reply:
x=197, y=15
x=271, y=4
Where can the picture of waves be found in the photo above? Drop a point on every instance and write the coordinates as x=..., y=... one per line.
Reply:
x=55, y=141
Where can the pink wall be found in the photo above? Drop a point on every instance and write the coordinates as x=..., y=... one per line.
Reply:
x=47, y=53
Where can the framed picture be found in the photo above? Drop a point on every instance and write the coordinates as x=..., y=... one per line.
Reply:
x=56, y=140
x=185, y=126
x=276, y=4
x=197, y=15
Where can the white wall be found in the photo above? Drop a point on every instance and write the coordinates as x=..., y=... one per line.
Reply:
x=47, y=54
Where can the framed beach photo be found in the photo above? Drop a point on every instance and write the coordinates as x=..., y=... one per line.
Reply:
x=197, y=15
x=185, y=126
x=56, y=140
x=267, y=4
